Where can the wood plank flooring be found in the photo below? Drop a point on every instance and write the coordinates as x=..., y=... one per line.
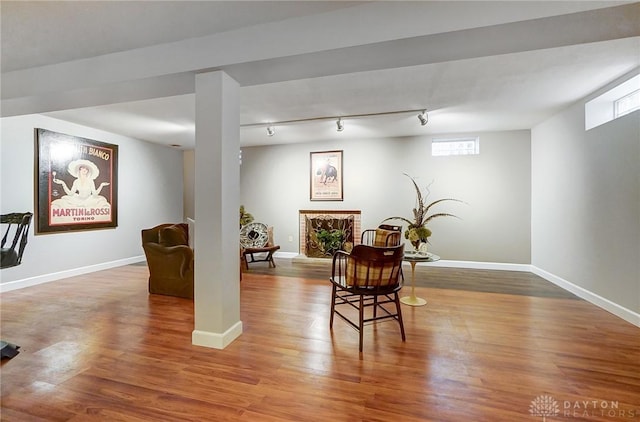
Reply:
x=484, y=348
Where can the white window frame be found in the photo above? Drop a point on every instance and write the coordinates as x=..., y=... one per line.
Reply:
x=602, y=109
x=632, y=98
x=455, y=146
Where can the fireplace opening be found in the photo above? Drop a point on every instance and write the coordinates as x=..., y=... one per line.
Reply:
x=322, y=233
x=326, y=235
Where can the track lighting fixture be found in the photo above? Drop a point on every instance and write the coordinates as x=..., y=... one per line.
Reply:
x=423, y=117
x=271, y=130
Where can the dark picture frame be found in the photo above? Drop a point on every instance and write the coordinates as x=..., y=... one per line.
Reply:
x=326, y=181
x=76, y=183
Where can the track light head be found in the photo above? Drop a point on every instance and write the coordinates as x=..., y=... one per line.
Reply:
x=271, y=130
x=423, y=117
x=340, y=125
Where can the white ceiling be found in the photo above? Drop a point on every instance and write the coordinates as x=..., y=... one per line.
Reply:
x=445, y=65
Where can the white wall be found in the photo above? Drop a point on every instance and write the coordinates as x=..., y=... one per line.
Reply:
x=494, y=224
x=149, y=192
x=586, y=206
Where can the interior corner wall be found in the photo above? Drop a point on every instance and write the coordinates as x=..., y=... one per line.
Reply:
x=494, y=224
x=586, y=204
x=189, y=174
x=150, y=184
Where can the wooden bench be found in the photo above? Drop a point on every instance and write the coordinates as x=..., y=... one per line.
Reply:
x=268, y=250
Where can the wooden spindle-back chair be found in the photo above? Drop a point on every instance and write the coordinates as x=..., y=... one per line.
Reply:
x=367, y=277
x=18, y=223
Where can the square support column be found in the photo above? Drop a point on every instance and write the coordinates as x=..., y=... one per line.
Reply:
x=217, y=197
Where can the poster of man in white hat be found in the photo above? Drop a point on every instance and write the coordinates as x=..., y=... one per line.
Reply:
x=76, y=183
x=82, y=194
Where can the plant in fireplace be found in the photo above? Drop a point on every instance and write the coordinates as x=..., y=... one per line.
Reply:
x=331, y=240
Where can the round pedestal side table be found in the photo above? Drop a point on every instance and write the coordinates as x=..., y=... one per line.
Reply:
x=413, y=258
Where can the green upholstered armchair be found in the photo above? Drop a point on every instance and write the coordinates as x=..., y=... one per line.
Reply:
x=170, y=260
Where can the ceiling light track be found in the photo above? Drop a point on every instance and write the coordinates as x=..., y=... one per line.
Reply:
x=423, y=117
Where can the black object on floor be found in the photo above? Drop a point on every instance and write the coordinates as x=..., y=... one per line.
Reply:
x=8, y=350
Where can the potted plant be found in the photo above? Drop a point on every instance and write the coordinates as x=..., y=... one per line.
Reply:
x=245, y=217
x=417, y=231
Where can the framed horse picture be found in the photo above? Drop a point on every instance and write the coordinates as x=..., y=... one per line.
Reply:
x=326, y=176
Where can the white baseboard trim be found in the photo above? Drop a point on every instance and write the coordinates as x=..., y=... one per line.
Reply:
x=619, y=311
x=216, y=340
x=286, y=255
x=476, y=265
x=46, y=278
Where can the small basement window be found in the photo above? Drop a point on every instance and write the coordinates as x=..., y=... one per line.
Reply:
x=616, y=102
x=441, y=147
x=627, y=104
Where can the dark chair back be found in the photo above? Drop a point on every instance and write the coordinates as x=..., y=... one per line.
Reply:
x=19, y=223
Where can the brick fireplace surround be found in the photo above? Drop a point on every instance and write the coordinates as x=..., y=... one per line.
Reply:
x=337, y=214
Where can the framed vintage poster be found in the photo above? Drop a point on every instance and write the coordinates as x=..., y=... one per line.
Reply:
x=326, y=176
x=76, y=183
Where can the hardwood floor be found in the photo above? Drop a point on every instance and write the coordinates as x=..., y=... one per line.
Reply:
x=486, y=346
